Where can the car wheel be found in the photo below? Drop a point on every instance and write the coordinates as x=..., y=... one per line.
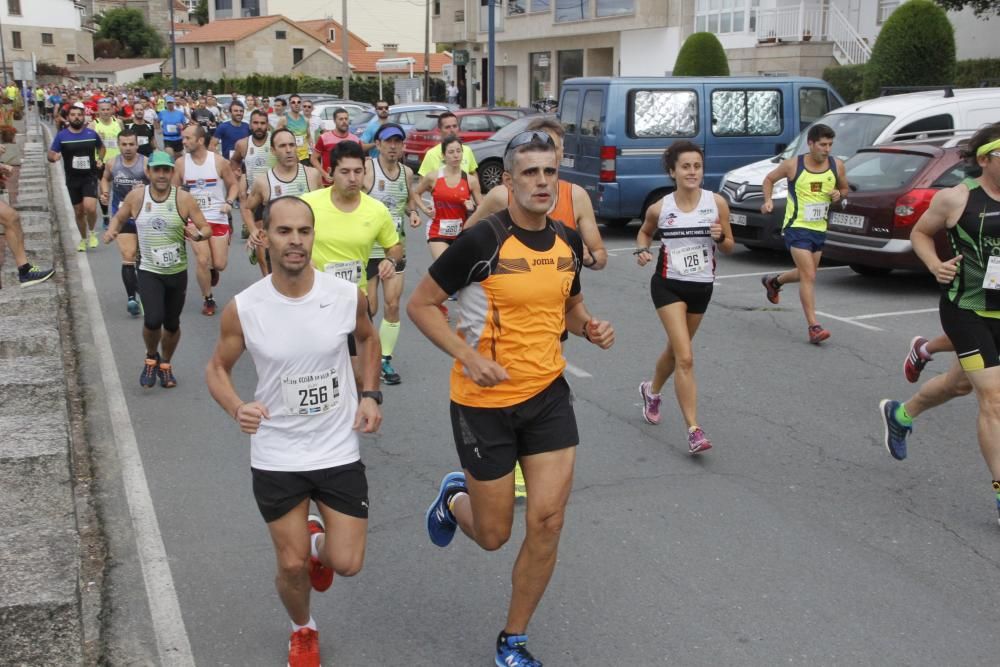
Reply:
x=864, y=270
x=490, y=174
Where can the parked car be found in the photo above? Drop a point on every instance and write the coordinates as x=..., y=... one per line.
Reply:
x=407, y=115
x=358, y=112
x=473, y=125
x=891, y=187
x=489, y=152
x=618, y=127
x=873, y=122
x=312, y=97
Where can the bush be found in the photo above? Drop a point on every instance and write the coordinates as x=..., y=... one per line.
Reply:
x=362, y=90
x=848, y=80
x=702, y=55
x=968, y=73
x=916, y=47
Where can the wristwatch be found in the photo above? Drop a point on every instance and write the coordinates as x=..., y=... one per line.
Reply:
x=374, y=395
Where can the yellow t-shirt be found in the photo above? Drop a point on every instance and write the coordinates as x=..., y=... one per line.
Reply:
x=434, y=160
x=109, y=135
x=343, y=241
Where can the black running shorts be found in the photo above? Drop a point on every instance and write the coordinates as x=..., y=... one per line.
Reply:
x=371, y=269
x=976, y=338
x=491, y=440
x=666, y=291
x=176, y=145
x=81, y=188
x=343, y=489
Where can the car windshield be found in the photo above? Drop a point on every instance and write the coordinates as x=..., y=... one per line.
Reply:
x=872, y=171
x=359, y=116
x=511, y=130
x=426, y=122
x=854, y=132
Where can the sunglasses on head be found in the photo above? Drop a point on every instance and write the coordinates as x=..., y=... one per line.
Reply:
x=529, y=137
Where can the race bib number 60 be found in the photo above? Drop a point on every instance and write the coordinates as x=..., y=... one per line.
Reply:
x=311, y=394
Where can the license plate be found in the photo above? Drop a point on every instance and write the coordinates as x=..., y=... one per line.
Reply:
x=847, y=220
x=737, y=219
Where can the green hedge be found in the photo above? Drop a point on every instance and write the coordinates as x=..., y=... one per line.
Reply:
x=968, y=73
x=848, y=79
x=701, y=55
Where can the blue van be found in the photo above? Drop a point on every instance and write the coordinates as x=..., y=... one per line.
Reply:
x=618, y=127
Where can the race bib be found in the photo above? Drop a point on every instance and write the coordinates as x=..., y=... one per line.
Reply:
x=166, y=256
x=300, y=141
x=992, y=278
x=81, y=162
x=204, y=201
x=111, y=143
x=450, y=227
x=349, y=271
x=815, y=212
x=171, y=128
x=142, y=140
x=311, y=394
x=398, y=221
x=688, y=259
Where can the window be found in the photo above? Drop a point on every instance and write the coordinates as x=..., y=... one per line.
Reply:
x=567, y=111
x=932, y=126
x=813, y=103
x=280, y=34
x=541, y=75
x=570, y=64
x=437, y=7
x=541, y=5
x=664, y=113
x=475, y=123
x=720, y=16
x=741, y=113
x=222, y=56
x=71, y=57
x=250, y=8
x=16, y=39
x=952, y=177
x=500, y=120
x=870, y=171
x=223, y=9
x=14, y=7
x=885, y=8
x=572, y=10
x=333, y=36
x=197, y=58
x=615, y=8
x=517, y=7
x=590, y=122
x=184, y=58
x=47, y=39
x=298, y=55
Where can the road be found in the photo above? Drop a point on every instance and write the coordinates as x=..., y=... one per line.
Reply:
x=796, y=539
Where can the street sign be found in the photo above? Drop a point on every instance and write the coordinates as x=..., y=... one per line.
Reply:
x=460, y=57
x=23, y=71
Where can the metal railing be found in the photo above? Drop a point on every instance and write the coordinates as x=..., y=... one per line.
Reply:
x=811, y=21
x=849, y=47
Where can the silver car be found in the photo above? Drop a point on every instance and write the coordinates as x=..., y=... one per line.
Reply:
x=489, y=152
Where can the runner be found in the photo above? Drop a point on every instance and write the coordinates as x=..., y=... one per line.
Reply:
x=315, y=122
x=252, y=157
x=230, y=132
x=815, y=180
x=455, y=196
x=108, y=128
x=10, y=228
x=211, y=182
x=76, y=146
x=692, y=222
x=970, y=303
x=299, y=127
x=125, y=173
x=277, y=113
x=145, y=134
x=434, y=157
x=160, y=212
x=368, y=136
x=321, y=151
x=201, y=115
x=388, y=180
x=572, y=206
x=40, y=101
x=171, y=122
x=510, y=375
x=303, y=416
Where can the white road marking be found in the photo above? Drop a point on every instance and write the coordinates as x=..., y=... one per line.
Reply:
x=168, y=625
x=767, y=273
x=849, y=320
x=578, y=372
x=893, y=314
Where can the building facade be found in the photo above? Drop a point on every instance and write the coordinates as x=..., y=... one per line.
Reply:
x=51, y=31
x=116, y=71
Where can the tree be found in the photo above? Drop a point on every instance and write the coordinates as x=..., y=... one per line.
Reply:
x=916, y=47
x=702, y=55
x=129, y=28
x=108, y=48
x=982, y=8
x=201, y=12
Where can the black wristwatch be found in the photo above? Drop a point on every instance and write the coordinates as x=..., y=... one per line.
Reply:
x=374, y=395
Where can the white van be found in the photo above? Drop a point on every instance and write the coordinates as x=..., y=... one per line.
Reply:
x=918, y=115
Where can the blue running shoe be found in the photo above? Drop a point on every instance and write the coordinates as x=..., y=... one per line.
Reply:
x=133, y=307
x=441, y=522
x=149, y=372
x=895, y=432
x=512, y=651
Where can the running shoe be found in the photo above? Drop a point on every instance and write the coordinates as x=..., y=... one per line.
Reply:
x=166, y=373
x=441, y=522
x=245, y=233
x=914, y=364
x=215, y=276
x=208, y=309
x=303, y=648
x=133, y=307
x=817, y=334
x=389, y=374
x=996, y=490
x=34, y=275
x=148, y=377
x=698, y=441
x=93, y=240
x=894, y=431
x=82, y=246
x=320, y=575
x=520, y=488
x=650, y=403
x=770, y=284
x=512, y=651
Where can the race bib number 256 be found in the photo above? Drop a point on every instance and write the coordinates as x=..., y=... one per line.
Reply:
x=311, y=394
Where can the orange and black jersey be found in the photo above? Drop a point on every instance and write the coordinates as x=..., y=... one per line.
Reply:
x=512, y=287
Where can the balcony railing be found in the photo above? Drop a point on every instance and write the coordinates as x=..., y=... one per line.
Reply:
x=807, y=22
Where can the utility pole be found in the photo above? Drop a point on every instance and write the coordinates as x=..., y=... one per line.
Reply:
x=3, y=56
x=427, y=52
x=491, y=70
x=345, y=40
x=173, y=44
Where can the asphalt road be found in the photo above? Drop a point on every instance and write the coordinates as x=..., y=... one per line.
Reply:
x=795, y=540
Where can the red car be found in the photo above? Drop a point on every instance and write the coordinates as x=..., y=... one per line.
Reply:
x=473, y=125
x=891, y=187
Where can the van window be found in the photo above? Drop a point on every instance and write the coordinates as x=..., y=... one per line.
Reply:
x=663, y=113
x=925, y=128
x=737, y=113
x=567, y=111
x=813, y=103
x=590, y=123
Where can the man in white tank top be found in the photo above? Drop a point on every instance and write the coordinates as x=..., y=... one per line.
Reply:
x=210, y=180
x=304, y=413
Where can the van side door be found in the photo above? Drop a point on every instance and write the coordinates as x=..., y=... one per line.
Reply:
x=569, y=118
x=590, y=139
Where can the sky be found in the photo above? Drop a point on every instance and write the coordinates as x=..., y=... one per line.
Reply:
x=376, y=21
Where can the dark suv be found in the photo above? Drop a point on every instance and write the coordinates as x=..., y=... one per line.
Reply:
x=891, y=187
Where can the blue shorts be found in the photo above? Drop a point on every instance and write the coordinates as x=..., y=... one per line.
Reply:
x=806, y=239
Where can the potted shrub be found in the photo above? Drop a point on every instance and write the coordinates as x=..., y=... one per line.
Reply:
x=7, y=133
x=806, y=35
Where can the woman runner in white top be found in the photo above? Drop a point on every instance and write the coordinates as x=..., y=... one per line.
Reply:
x=693, y=222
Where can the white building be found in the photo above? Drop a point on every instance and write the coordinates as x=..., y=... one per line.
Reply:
x=116, y=71
x=51, y=31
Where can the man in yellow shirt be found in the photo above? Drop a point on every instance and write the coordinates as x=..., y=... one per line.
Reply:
x=434, y=158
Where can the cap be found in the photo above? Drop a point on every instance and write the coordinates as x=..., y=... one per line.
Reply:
x=168, y=98
x=388, y=131
x=161, y=159
x=78, y=105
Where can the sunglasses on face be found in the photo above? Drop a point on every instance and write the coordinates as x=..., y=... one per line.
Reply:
x=381, y=108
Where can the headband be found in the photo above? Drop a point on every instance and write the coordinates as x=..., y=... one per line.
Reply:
x=986, y=148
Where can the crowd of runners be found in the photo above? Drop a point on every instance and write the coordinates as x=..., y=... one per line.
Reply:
x=324, y=214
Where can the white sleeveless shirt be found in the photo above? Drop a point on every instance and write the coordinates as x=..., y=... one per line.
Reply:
x=688, y=251
x=304, y=375
x=207, y=188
